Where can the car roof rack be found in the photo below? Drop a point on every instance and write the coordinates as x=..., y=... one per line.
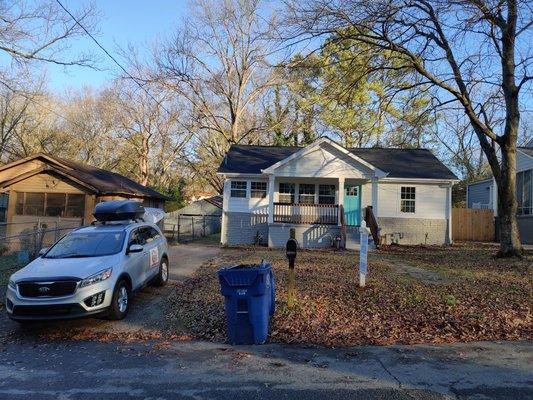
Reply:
x=118, y=211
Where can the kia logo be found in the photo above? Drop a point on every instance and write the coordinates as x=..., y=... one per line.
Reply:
x=44, y=289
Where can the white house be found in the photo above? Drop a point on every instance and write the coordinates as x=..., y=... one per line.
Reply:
x=324, y=190
x=483, y=194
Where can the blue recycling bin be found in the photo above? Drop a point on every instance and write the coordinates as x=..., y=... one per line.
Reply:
x=249, y=301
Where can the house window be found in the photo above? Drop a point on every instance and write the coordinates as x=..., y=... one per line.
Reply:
x=524, y=192
x=50, y=204
x=408, y=194
x=258, y=190
x=75, y=205
x=326, y=194
x=55, y=204
x=286, y=192
x=306, y=193
x=238, y=188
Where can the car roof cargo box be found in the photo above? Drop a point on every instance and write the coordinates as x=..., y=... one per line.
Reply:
x=118, y=210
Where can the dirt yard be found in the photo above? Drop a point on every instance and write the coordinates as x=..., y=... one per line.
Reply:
x=414, y=294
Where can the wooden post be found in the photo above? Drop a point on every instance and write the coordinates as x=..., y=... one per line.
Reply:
x=203, y=223
x=291, y=250
x=178, y=228
x=192, y=227
x=290, y=288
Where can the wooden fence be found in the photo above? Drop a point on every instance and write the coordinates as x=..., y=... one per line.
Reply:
x=472, y=224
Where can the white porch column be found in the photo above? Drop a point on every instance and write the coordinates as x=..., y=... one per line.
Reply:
x=375, y=196
x=225, y=203
x=449, y=237
x=494, y=197
x=340, y=199
x=271, y=179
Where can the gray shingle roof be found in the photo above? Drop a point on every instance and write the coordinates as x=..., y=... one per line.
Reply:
x=107, y=182
x=398, y=163
x=103, y=182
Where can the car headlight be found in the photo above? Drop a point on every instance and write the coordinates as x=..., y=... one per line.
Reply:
x=12, y=284
x=99, y=277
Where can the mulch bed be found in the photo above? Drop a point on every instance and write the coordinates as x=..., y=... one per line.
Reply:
x=481, y=297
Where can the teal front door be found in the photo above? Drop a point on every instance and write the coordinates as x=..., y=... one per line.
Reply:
x=352, y=204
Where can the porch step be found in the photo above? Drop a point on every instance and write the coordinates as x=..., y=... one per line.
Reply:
x=353, y=239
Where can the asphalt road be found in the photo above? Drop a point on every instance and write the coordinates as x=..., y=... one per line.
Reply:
x=197, y=370
x=34, y=365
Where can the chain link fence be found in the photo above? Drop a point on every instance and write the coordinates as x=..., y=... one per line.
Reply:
x=20, y=243
x=185, y=228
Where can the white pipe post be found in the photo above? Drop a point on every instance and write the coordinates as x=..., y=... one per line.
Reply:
x=363, y=251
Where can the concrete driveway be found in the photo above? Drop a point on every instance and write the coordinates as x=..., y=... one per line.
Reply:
x=145, y=316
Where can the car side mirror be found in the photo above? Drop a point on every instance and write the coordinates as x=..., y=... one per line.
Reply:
x=43, y=251
x=135, y=248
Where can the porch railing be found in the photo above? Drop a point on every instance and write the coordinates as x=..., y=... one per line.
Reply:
x=320, y=214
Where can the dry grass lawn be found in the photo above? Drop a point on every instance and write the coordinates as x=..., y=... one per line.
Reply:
x=478, y=298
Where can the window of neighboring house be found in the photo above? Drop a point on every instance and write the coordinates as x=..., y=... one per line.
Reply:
x=286, y=192
x=50, y=204
x=408, y=197
x=524, y=192
x=238, y=189
x=55, y=204
x=258, y=190
x=326, y=194
x=33, y=204
x=306, y=193
x=75, y=205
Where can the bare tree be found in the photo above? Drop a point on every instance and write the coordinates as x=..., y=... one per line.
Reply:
x=33, y=32
x=473, y=53
x=13, y=113
x=218, y=64
x=149, y=132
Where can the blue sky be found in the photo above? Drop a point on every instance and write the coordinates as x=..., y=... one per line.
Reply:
x=121, y=22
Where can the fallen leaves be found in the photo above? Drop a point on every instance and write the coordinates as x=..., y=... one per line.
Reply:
x=482, y=298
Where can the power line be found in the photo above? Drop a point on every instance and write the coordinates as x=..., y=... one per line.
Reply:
x=111, y=57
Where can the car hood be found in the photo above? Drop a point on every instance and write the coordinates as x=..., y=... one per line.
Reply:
x=65, y=267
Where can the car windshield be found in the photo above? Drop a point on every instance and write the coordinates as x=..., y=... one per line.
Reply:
x=78, y=244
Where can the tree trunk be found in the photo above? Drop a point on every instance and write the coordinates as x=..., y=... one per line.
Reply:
x=143, y=162
x=510, y=245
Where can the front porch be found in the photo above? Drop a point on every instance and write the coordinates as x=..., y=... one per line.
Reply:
x=320, y=201
x=321, y=212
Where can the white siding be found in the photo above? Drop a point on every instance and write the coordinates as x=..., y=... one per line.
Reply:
x=366, y=195
x=324, y=163
x=430, y=201
x=248, y=204
x=479, y=192
x=523, y=162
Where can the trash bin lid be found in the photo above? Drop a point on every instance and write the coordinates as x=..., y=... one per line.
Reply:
x=244, y=274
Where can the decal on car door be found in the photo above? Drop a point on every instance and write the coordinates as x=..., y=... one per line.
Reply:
x=154, y=257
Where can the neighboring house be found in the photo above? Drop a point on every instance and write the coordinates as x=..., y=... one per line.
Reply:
x=203, y=217
x=482, y=194
x=211, y=206
x=268, y=190
x=45, y=188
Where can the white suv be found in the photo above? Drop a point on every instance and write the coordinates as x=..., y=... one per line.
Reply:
x=92, y=270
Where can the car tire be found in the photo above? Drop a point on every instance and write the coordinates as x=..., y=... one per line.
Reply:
x=162, y=276
x=120, y=303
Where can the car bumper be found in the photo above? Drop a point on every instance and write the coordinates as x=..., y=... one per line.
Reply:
x=77, y=305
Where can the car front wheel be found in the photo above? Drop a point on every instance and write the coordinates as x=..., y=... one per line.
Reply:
x=120, y=304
